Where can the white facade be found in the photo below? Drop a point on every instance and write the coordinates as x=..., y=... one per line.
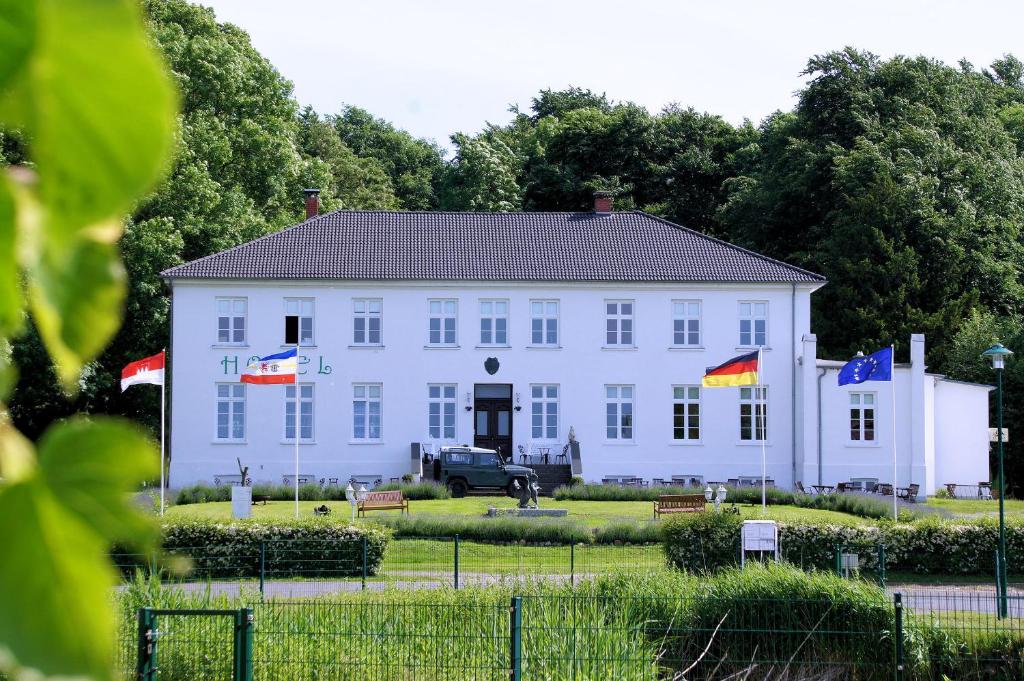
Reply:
x=582, y=365
x=388, y=364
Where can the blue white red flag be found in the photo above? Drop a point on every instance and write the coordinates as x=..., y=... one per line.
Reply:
x=278, y=368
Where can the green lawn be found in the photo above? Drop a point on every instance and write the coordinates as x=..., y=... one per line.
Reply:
x=591, y=513
x=978, y=508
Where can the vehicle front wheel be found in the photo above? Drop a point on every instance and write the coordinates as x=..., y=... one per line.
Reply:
x=511, y=489
x=458, y=488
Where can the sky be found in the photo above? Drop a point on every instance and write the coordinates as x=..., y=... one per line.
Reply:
x=435, y=67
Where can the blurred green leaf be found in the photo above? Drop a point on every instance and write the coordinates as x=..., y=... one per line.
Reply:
x=96, y=466
x=10, y=289
x=98, y=110
x=17, y=30
x=76, y=297
x=55, y=613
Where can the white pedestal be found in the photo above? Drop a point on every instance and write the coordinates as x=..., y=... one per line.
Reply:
x=241, y=501
x=761, y=536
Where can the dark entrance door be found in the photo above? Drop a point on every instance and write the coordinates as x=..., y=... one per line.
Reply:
x=492, y=417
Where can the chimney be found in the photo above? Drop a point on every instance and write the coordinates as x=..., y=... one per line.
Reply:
x=602, y=203
x=312, y=202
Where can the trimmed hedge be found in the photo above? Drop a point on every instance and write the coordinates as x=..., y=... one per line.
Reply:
x=707, y=542
x=305, y=548
x=501, y=529
x=855, y=504
x=203, y=493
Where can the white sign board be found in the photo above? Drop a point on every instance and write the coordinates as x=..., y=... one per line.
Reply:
x=241, y=501
x=759, y=535
x=993, y=435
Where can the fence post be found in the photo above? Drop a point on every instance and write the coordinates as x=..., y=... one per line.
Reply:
x=572, y=564
x=364, y=562
x=145, y=665
x=515, y=639
x=263, y=565
x=839, y=560
x=456, y=561
x=881, y=565
x=898, y=607
x=243, y=645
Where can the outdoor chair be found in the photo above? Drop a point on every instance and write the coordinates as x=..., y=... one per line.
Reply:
x=843, y=487
x=985, y=490
x=564, y=456
x=800, y=487
x=733, y=482
x=522, y=454
x=908, y=493
x=659, y=482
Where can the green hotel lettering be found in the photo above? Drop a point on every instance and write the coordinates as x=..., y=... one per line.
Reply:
x=230, y=364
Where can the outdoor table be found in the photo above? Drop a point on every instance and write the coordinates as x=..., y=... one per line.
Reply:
x=824, y=489
x=951, y=488
x=544, y=452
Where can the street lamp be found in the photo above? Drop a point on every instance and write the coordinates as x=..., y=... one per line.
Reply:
x=720, y=496
x=708, y=494
x=997, y=354
x=350, y=494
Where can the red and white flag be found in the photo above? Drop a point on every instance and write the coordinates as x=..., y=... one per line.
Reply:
x=148, y=370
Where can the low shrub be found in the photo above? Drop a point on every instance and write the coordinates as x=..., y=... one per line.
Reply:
x=201, y=494
x=418, y=491
x=706, y=542
x=307, y=548
x=501, y=529
x=628, y=533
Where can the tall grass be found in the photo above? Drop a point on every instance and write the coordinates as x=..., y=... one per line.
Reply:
x=762, y=622
x=500, y=529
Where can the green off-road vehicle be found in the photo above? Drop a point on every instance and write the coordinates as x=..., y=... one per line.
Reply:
x=464, y=468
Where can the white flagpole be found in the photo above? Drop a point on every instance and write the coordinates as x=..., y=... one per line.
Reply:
x=892, y=380
x=764, y=424
x=298, y=432
x=163, y=401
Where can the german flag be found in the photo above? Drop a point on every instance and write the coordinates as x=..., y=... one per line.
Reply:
x=740, y=370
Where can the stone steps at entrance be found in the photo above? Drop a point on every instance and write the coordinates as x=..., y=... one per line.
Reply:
x=550, y=476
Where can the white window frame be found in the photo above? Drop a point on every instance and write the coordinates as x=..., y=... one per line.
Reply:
x=367, y=397
x=231, y=316
x=547, y=322
x=859, y=402
x=751, y=406
x=682, y=312
x=441, y=401
x=232, y=399
x=307, y=396
x=753, y=317
x=363, y=311
x=618, y=324
x=300, y=312
x=615, y=409
x=545, y=405
x=687, y=400
x=491, y=317
x=443, y=315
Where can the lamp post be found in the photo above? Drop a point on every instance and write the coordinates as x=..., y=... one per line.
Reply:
x=350, y=494
x=997, y=354
x=708, y=495
x=720, y=495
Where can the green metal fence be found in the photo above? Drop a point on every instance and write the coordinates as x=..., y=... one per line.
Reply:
x=939, y=635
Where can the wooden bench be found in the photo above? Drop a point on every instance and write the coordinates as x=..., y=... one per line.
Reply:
x=679, y=503
x=260, y=499
x=383, y=501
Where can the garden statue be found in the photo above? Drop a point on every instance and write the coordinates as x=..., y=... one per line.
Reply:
x=527, y=494
x=244, y=470
x=322, y=510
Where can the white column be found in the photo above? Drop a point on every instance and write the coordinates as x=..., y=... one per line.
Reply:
x=917, y=465
x=807, y=412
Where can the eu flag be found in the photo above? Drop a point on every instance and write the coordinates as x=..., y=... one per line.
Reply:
x=875, y=367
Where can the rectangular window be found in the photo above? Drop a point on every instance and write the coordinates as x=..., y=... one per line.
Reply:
x=305, y=411
x=366, y=321
x=685, y=323
x=544, y=322
x=441, y=411
x=493, y=322
x=685, y=412
x=231, y=313
x=443, y=315
x=231, y=412
x=618, y=322
x=298, y=321
x=753, y=414
x=544, y=412
x=619, y=412
x=366, y=411
x=862, y=417
x=753, y=324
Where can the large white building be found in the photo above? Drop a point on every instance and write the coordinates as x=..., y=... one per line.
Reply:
x=508, y=330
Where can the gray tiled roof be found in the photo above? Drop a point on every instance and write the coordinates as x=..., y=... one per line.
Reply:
x=372, y=245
